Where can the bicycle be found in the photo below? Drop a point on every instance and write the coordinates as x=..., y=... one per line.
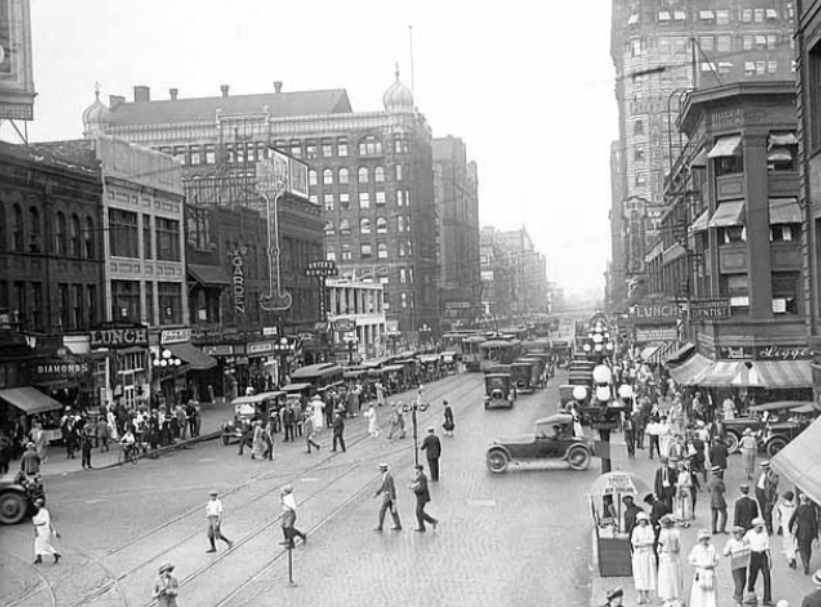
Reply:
x=128, y=453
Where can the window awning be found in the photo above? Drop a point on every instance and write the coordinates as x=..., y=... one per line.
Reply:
x=209, y=276
x=673, y=253
x=797, y=463
x=664, y=15
x=782, y=139
x=706, y=15
x=784, y=210
x=720, y=374
x=700, y=224
x=728, y=214
x=648, y=352
x=679, y=356
x=725, y=146
x=688, y=372
x=779, y=155
x=700, y=160
x=774, y=374
x=196, y=359
x=29, y=400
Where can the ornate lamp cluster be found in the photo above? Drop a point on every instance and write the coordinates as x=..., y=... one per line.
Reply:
x=165, y=360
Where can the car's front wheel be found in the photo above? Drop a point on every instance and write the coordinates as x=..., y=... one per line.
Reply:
x=731, y=441
x=13, y=508
x=578, y=457
x=497, y=461
x=775, y=445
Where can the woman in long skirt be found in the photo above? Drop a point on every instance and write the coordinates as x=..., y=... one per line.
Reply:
x=258, y=445
x=669, y=550
x=373, y=423
x=684, y=495
x=786, y=510
x=703, y=557
x=748, y=446
x=43, y=531
x=644, y=560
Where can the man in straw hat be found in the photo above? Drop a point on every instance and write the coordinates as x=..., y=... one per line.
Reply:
x=213, y=514
x=813, y=599
x=166, y=587
x=766, y=492
x=388, y=492
x=760, y=559
x=614, y=597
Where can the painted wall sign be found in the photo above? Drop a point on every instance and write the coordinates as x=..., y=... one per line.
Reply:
x=260, y=347
x=48, y=370
x=709, y=308
x=654, y=311
x=119, y=337
x=783, y=353
x=656, y=334
x=218, y=350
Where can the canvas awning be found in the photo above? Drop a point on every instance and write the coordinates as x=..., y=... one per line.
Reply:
x=725, y=146
x=728, y=214
x=688, y=372
x=209, y=276
x=798, y=462
x=782, y=139
x=720, y=374
x=774, y=374
x=700, y=224
x=661, y=352
x=196, y=359
x=678, y=357
x=649, y=351
x=779, y=155
x=784, y=210
x=29, y=400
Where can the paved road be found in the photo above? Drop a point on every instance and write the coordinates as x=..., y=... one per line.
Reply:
x=521, y=538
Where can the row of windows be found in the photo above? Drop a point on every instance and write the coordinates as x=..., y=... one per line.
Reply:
x=126, y=302
x=124, y=231
x=363, y=175
x=380, y=225
x=379, y=198
x=722, y=16
x=366, y=250
x=73, y=237
x=671, y=45
x=76, y=305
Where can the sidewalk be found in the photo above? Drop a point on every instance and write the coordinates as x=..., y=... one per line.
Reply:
x=787, y=583
x=213, y=416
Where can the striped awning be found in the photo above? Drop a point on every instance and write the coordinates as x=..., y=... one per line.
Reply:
x=688, y=372
x=720, y=374
x=774, y=374
x=649, y=351
x=662, y=352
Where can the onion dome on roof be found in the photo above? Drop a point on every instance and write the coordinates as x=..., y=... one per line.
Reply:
x=398, y=98
x=96, y=117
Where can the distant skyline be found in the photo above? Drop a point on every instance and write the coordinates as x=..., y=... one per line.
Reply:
x=534, y=107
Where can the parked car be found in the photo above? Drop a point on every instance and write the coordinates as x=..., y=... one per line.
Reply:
x=779, y=433
x=499, y=390
x=756, y=420
x=17, y=497
x=248, y=409
x=552, y=439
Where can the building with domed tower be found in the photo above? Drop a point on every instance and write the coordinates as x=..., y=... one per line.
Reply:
x=370, y=183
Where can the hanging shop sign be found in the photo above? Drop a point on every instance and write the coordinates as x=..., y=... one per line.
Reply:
x=656, y=334
x=321, y=269
x=654, y=311
x=735, y=353
x=119, y=335
x=260, y=348
x=175, y=336
x=343, y=325
x=238, y=280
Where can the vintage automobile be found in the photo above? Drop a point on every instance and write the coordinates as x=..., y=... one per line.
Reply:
x=247, y=409
x=552, y=439
x=17, y=497
x=778, y=434
x=523, y=377
x=499, y=390
x=756, y=420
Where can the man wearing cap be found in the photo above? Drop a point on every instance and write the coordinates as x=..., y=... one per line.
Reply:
x=738, y=549
x=433, y=449
x=746, y=509
x=419, y=486
x=760, y=560
x=213, y=514
x=813, y=599
x=804, y=526
x=766, y=492
x=166, y=587
x=388, y=492
x=718, y=505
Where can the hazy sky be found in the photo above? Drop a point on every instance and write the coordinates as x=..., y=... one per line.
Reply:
x=527, y=85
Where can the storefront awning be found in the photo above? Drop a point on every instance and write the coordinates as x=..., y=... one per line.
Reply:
x=649, y=351
x=725, y=146
x=661, y=354
x=782, y=139
x=728, y=214
x=779, y=155
x=720, y=374
x=774, y=374
x=29, y=400
x=688, y=372
x=678, y=357
x=784, y=210
x=700, y=224
x=196, y=359
x=209, y=276
x=700, y=160
x=798, y=462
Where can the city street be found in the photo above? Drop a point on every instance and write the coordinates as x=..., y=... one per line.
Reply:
x=495, y=546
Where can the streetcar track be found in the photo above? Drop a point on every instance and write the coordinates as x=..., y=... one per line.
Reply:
x=437, y=392
x=43, y=579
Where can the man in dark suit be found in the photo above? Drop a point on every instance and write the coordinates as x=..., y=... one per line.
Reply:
x=388, y=492
x=433, y=449
x=338, y=429
x=804, y=526
x=419, y=486
x=746, y=509
x=718, y=454
x=665, y=483
x=630, y=513
x=718, y=504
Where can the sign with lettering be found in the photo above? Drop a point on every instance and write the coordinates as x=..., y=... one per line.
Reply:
x=321, y=269
x=735, y=353
x=709, y=308
x=218, y=350
x=115, y=336
x=654, y=312
x=50, y=370
x=175, y=336
x=656, y=334
x=344, y=325
x=260, y=347
x=238, y=280
x=783, y=353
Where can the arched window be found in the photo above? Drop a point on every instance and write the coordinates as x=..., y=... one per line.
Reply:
x=365, y=226
x=88, y=239
x=60, y=235
x=363, y=175
x=381, y=225
x=76, y=250
x=327, y=177
x=34, y=215
x=17, y=234
x=329, y=228
x=2, y=227
x=400, y=224
x=382, y=250
x=312, y=178
x=344, y=227
x=379, y=174
x=344, y=175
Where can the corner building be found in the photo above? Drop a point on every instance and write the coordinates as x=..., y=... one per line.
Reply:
x=370, y=173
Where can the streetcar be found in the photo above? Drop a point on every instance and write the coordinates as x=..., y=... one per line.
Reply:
x=318, y=376
x=498, y=351
x=470, y=351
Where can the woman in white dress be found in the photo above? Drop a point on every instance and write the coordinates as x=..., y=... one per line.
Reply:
x=43, y=531
x=786, y=510
x=669, y=549
x=373, y=423
x=684, y=495
x=318, y=409
x=644, y=560
x=703, y=557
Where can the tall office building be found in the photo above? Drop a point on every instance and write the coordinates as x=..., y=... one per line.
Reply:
x=662, y=49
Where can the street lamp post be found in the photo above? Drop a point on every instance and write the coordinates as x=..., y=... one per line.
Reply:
x=413, y=407
x=283, y=349
x=163, y=361
x=351, y=343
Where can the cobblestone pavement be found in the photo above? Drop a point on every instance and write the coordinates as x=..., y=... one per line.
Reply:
x=513, y=539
